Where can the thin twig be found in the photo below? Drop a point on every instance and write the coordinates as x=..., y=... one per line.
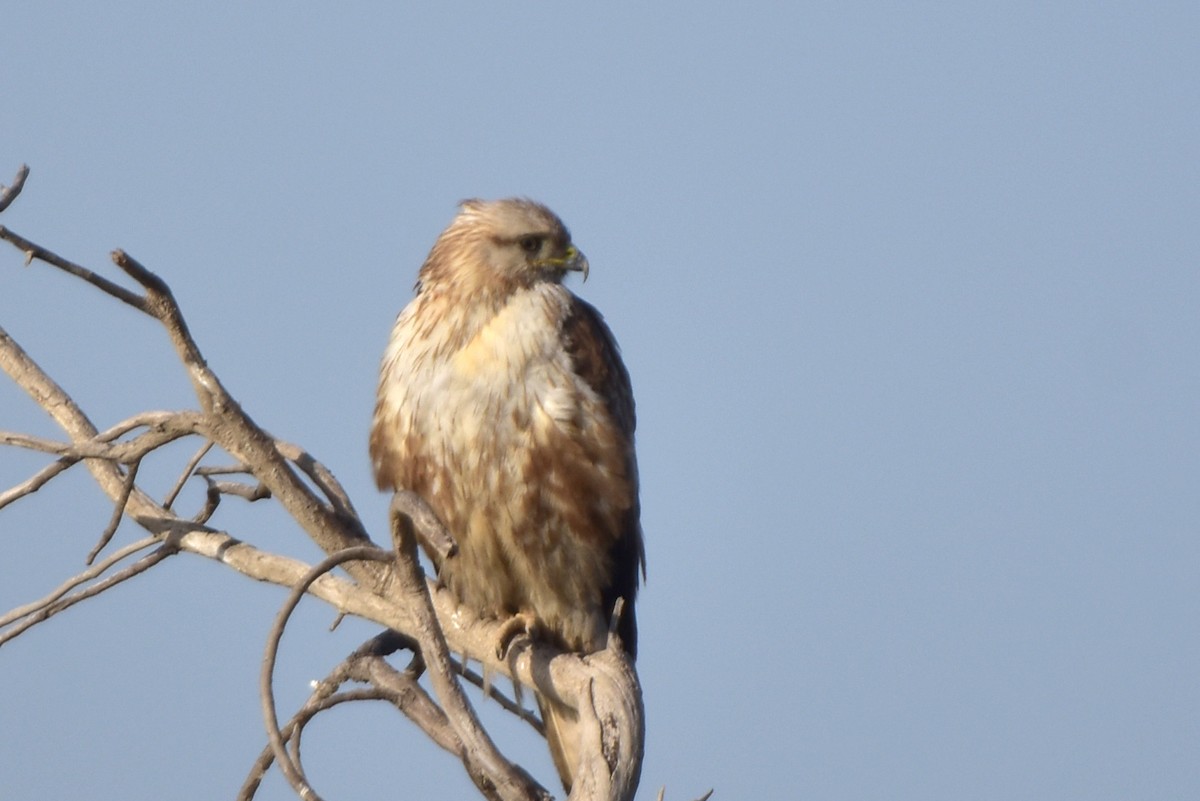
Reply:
x=86, y=450
x=267, y=757
x=511, y=705
x=212, y=499
x=118, y=511
x=34, y=251
x=169, y=501
x=160, y=304
x=224, y=470
x=399, y=688
x=320, y=475
x=291, y=771
x=388, y=642
x=434, y=536
x=614, y=622
x=9, y=193
x=147, y=420
x=256, y=492
x=409, y=697
x=37, y=480
x=293, y=744
x=180, y=425
x=50, y=471
x=75, y=581
x=215, y=490
x=49, y=610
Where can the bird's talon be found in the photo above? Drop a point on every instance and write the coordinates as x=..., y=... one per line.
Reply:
x=522, y=624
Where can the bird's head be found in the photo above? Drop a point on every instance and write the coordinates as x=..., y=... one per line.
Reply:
x=499, y=246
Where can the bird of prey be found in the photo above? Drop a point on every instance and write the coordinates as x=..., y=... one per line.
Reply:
x=504, y=403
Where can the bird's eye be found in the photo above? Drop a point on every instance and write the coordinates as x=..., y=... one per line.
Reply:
x=530, y=244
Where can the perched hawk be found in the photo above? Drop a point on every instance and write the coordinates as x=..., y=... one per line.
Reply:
x=503, y=402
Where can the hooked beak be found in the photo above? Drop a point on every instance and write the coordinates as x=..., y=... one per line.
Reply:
x=576, y=261
x=571, y=260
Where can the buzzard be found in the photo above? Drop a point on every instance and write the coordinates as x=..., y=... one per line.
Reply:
x=504, y=403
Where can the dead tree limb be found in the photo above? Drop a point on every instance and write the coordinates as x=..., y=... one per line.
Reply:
x=494, y=775
x=289, y=763
x=386, y=588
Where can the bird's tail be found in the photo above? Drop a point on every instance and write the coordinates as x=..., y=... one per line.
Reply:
x=562, y=735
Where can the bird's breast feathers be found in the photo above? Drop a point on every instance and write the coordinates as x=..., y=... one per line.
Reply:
x=468, y=395
x=443, y=381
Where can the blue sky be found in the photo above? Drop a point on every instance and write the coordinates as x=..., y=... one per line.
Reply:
x=909, y=296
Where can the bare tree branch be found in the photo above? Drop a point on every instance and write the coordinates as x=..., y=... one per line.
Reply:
x=9, y=193
x=72, y=454
x=388, y=589
x=320, y=476
x=494, y=775
x=310, y=710
x=70, y=584
x=168, y=429
x=45, y=611
x=366, y=665
x=409, y=697
x=248, y=492
x=290, y=767
x=35, y=252
x=169, y=500
x=387, y=684
x=232, y=429
x=512, y=706
x=433, y=536
x=118, y=511
x=38, y=480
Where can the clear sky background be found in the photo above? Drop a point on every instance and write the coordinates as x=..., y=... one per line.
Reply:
x=910, y=295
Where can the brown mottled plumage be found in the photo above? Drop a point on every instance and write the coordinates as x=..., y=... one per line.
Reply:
x=504, y=403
